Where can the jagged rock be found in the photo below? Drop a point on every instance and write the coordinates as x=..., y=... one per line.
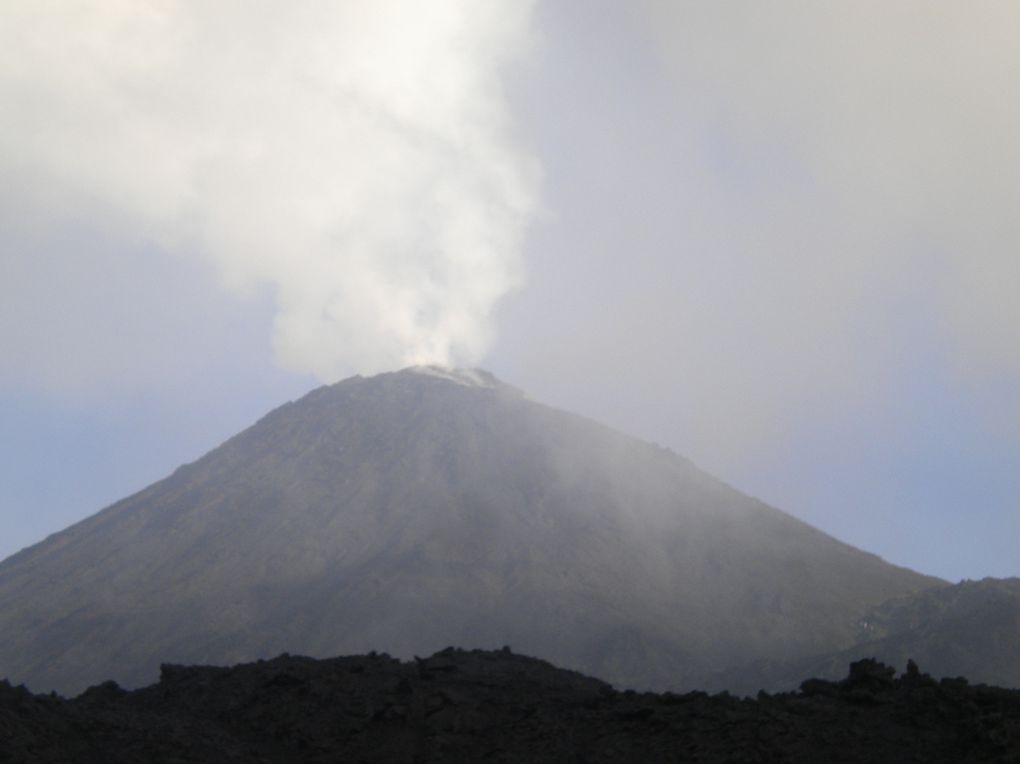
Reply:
x=460, y=706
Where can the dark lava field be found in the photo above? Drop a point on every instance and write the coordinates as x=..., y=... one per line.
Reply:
x=468, y=706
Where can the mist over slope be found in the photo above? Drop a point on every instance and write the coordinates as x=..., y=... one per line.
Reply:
x=418, y=509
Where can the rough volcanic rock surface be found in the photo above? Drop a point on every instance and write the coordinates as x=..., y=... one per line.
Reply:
x=460, y=706
x=418, y=509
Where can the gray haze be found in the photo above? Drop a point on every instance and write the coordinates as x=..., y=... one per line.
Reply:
x=783, y=241
x=775, y=206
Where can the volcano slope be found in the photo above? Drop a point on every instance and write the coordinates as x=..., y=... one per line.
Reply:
x=423, y=508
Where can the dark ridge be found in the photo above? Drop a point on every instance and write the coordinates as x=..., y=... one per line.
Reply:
x=461, y=706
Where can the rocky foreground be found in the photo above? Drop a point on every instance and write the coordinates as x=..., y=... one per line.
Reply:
x=466, y=706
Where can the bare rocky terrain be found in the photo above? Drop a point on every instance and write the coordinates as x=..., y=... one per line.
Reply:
x=468, y=706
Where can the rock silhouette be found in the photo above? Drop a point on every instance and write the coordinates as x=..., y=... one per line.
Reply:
x=465, y=706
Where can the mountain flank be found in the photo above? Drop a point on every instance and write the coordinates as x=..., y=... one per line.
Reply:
x=971, y=629
x=427, y=507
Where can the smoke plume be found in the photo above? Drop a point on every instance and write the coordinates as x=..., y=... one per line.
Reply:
x=356, y=157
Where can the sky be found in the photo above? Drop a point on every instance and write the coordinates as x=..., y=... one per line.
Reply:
x=779, y=238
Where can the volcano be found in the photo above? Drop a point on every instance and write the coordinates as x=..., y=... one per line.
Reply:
x=419, y=509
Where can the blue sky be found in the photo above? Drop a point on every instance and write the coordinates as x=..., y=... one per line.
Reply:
x=780, y=240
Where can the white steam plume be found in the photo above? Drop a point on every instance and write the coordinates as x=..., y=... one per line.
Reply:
x=356, y=156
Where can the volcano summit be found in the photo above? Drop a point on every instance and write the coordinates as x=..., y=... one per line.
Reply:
x=431, y=507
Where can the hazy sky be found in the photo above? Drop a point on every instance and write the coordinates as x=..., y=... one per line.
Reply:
x=779, y=237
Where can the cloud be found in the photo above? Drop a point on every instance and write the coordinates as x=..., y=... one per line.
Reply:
x=892, y=131
x=778, y=213
x=357, y=159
